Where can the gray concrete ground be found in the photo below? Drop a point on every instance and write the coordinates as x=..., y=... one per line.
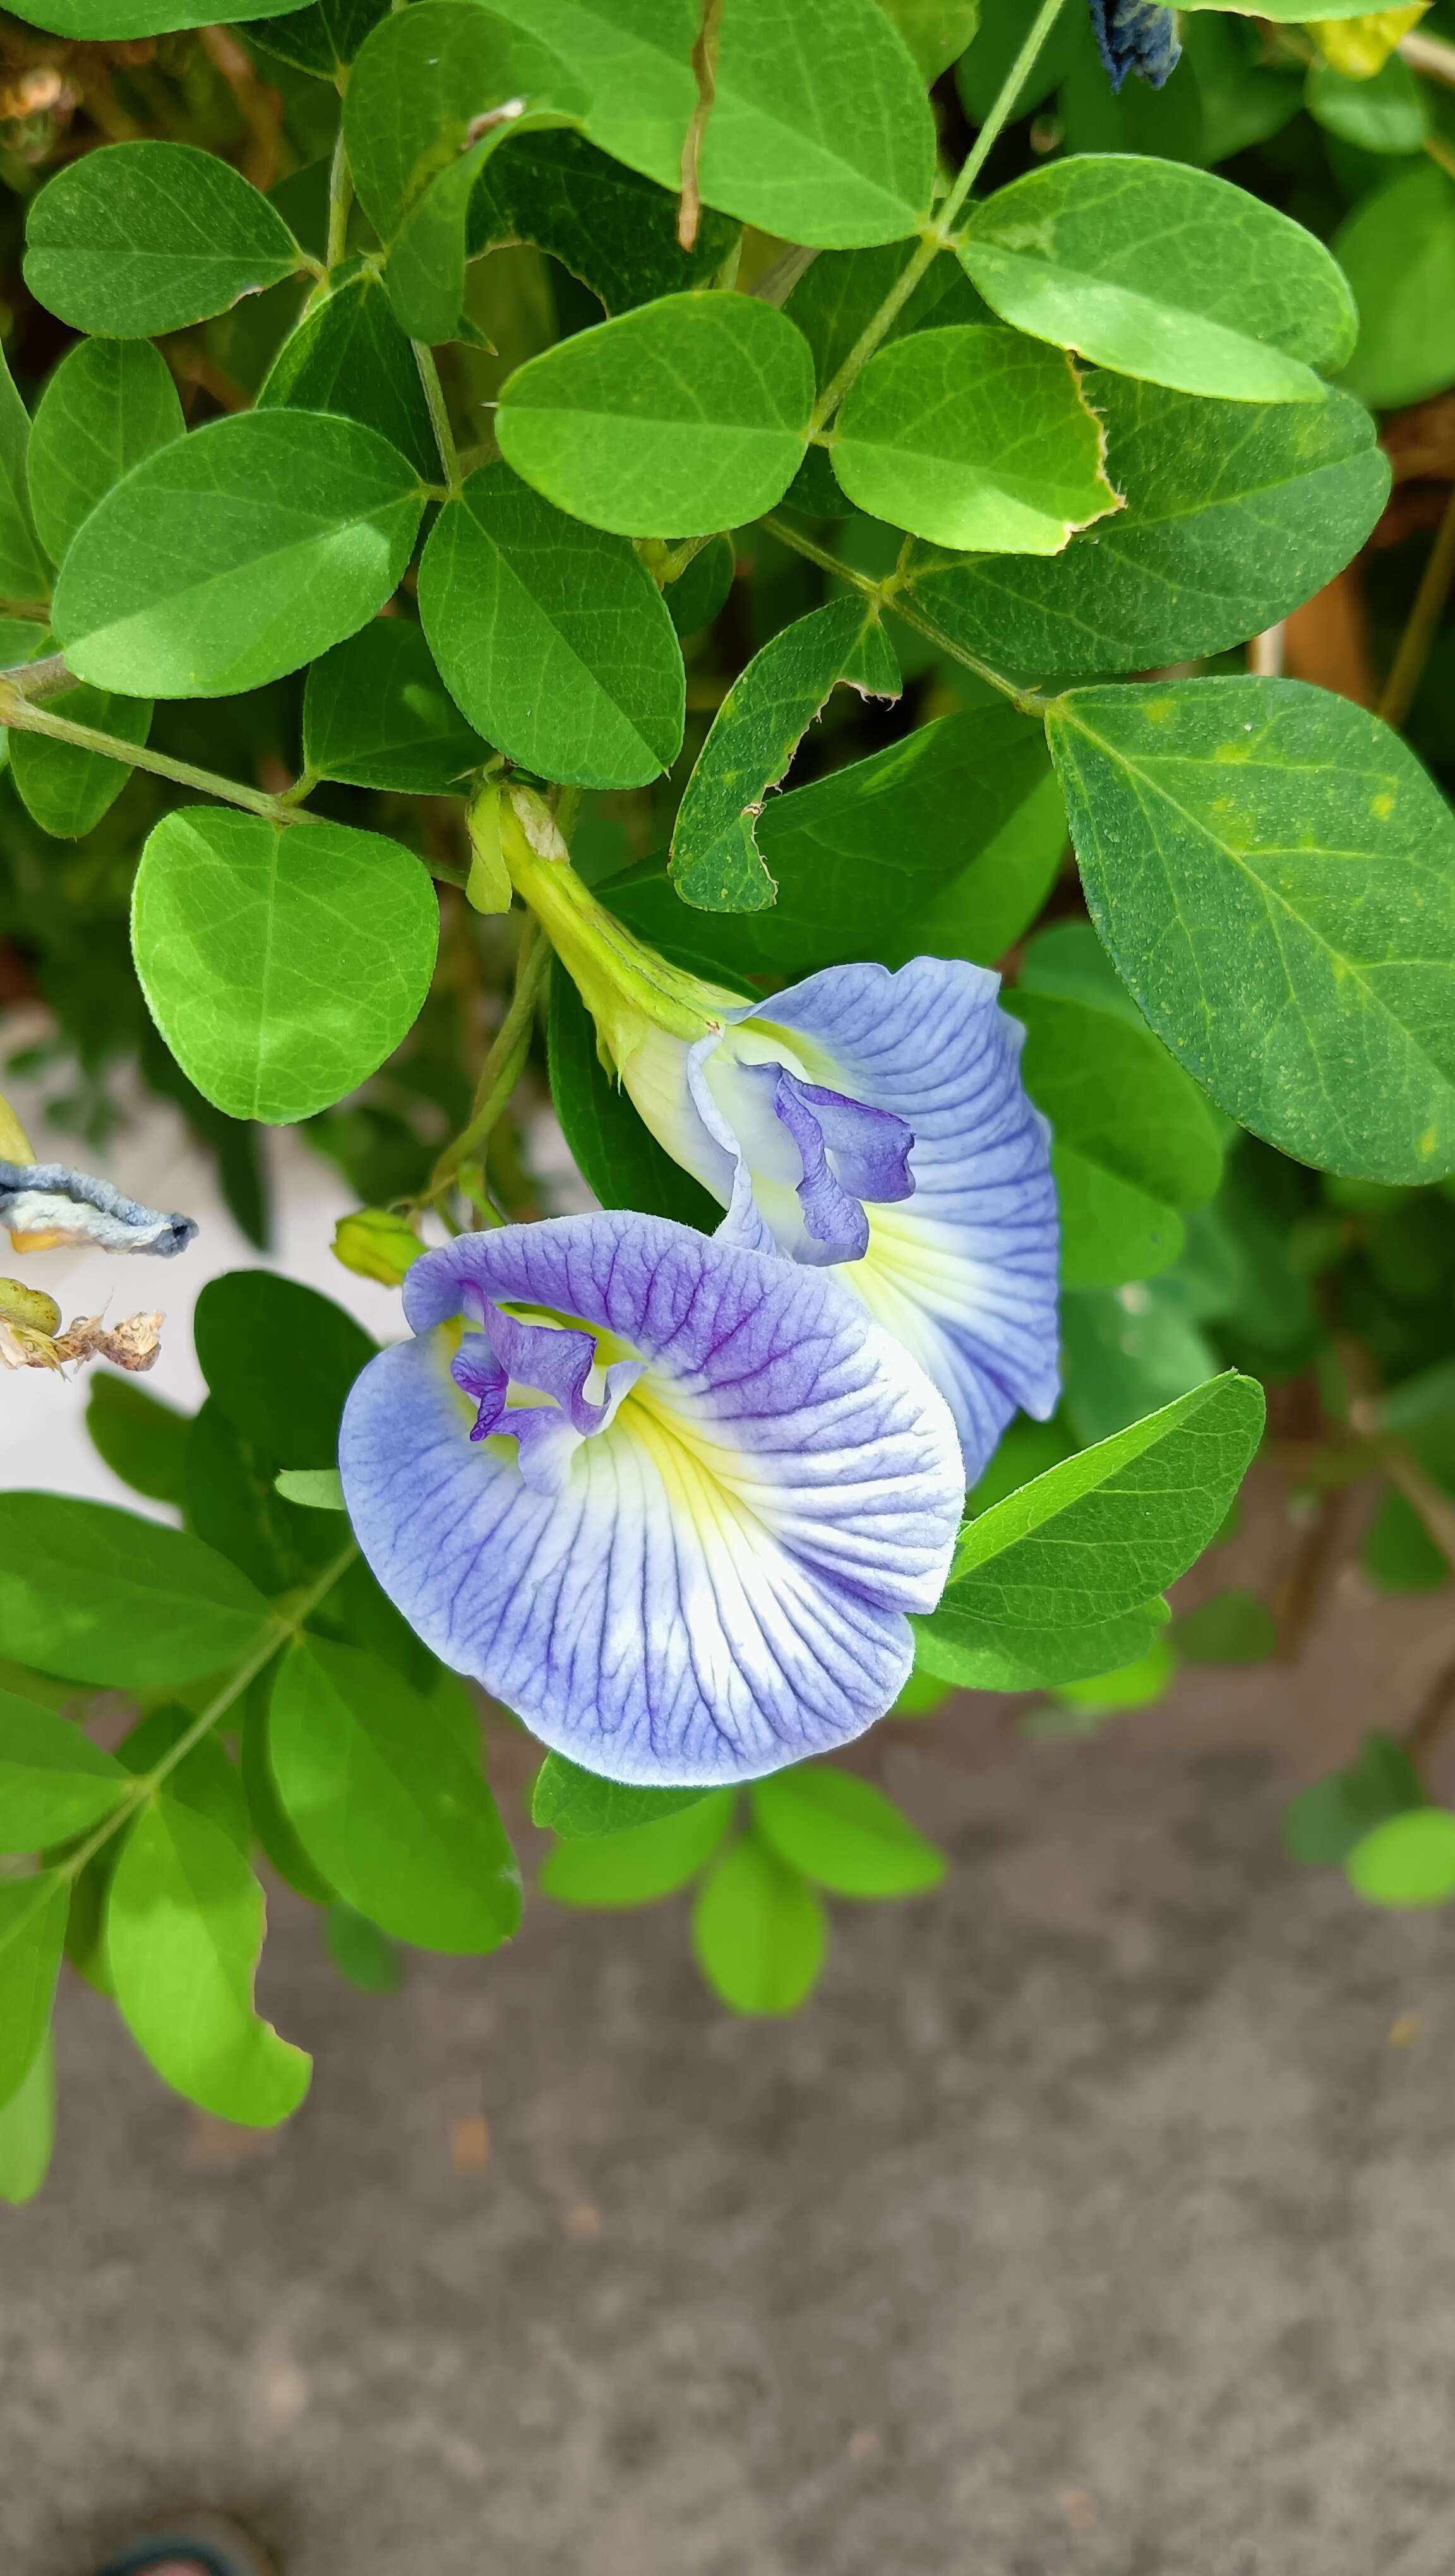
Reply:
x=1099, y=2220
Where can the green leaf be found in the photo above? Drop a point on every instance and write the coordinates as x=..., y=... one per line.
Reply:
x=1136, y=1685
x=281, y=965
x=552, y=638
x=1282, y=12
x=641, y=1862
x=1397, y=250
x=184, y=1926
x=376, y=714
x=1127, y=1350
x=231, y=1504
x=360, y=1951
x=1158, y=270
x=1274, y=876
x=989, y=60
x=67, y=789
x=1397, y=1552
x=935, y=31
x=1232, y=1627
x=24, y=573
x=677, y=419
x=843, y=1833
x=421, y=80
x=973, y=437
x=759, y=1932
x=425, y=277
x=838, y=295
x=54, y=1782
x=280, y=1360
x=316, y=1489
x=105, y=21
x=98, y=1595
x=695, y=597
x=616, y=1155
x=142, y=1440
x=820, y=131
x=716, y=863
x=322, y=39
x=1235, y=514
x=578, y=1805
x=237, y=554
x=28, y=2129
x=1000, y=1656
x=349, y=355
x=109, y=404
x=140, y=238
x=613, y=228
x=389, y=1803
x=1324, y=1822
x=1408, y=1861
x=1134, y=1139
x=1098, y=1535
x=270, y=1826
x=32, y=1929
x=1385, y=114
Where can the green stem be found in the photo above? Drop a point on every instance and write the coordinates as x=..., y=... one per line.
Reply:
x=941, y=235
x=505, y=1063
x=1419, y=634
x=40, y=679
x=20, y=716
x=444, y=436
x=340, y=200
x=889, y=595
x=279, y=1631
x=999, y=117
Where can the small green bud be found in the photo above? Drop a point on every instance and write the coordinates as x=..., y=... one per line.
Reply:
x=488, y=887
x=376, y=1245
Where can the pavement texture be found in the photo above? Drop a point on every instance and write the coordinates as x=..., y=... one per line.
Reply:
x=1095, y=2221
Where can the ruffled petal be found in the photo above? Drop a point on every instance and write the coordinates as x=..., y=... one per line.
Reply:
x=964, y=1271
x=720, y=1585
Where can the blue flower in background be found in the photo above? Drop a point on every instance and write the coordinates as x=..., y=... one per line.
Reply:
x=46, y=1204
x=879, y=1120
x=667, y=1497
x=1136, y=36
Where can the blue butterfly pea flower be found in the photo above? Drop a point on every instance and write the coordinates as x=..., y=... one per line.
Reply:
x=879, y=1120
x=668, y=1497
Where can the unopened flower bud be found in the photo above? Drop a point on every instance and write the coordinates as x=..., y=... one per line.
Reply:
x=376, y=1245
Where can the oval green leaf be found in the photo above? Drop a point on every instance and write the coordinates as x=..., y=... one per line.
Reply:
x=279, y=1359
x=1235, y=514
x=1408, y=1861
x=552, y=638
x=109, y=404
x=677, y=419
x=237, y=554
x=109, y=21
x=24, y=572
x=32, y=1929
x=389, y=1803
x=54, y=1782
x=973, y=437
x=98, y=1595
x=184, y=1926
x=579, y=1805
x=68, y=789
x=140, y=238
x=1155, y=269
x=759, y=1932
x=1397, y=250
x=844, y=1833
x=281, y=965
x=1274, y=875
x=642, y=1862
x=349, y=355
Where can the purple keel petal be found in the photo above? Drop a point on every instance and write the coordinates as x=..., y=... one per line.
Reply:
x=719, y=1585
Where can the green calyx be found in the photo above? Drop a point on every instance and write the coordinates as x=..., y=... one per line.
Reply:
x=628, y=989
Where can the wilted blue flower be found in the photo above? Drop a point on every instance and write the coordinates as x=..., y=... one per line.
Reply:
x=45, y=1204
x=1136, y=36
x=879, y=1120
x=668, y=1498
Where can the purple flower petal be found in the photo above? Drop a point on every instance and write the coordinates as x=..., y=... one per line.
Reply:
x=718, y=1583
